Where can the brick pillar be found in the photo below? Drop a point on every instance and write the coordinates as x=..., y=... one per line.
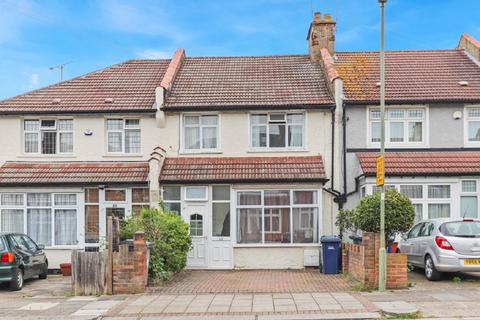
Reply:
x=369, y=242
x=140, y=259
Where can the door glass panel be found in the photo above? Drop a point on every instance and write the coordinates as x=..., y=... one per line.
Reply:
x=196, y=225
x=221, y=220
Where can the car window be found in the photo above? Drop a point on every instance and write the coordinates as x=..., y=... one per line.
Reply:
x=3, y=247
x=30, y=244
x=463, y=229
x=427, y=229
x=413, y=233
x=19, y=242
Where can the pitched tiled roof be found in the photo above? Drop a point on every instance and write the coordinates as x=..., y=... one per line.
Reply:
x=423, y=163
x=242, y=169
x=416, y=76
x=73, y=172
x=247, y=82
x=128, y=86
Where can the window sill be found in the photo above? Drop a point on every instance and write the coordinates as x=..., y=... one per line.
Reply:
x=123, y=155
x=200, y=152
x=279, y=150
x=46, y=156
x=64, y=247
x=275, y=245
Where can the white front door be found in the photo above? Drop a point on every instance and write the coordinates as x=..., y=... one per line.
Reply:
x=196, y=217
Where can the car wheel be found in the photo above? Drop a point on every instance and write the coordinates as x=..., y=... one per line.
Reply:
x=17, y=281
x=43, y=275
x=431, y=272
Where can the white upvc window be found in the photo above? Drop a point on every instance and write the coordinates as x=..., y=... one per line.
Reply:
x=200, y=133
x=123, y=136
x=196, y=193
x=277, y=130
x=48, y=218
x=172, y=198
x=404, y=127
x=472, y=126
x=429, y=200
x=277, y=216
x=48, y=136
x=469, y=198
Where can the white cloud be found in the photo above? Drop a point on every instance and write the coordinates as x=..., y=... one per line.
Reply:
x=154, y=54
x=34, y=80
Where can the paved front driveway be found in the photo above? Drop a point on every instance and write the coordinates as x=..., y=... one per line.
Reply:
x=254, y=281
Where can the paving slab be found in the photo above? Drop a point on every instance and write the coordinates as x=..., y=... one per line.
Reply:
x=396, y=307
x=39, y=306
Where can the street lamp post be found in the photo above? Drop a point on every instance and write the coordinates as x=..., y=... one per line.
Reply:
x=382, y=263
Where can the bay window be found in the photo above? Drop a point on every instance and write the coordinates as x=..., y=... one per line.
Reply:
x=123, y=136
x=48, y=136
x=200, y=132
x=403, y=127
x=277, y=130
x=48, y=218
x=277, y=216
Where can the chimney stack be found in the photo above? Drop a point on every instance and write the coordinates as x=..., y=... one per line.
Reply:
x=321, y=34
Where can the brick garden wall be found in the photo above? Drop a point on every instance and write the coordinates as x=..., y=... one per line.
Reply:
x=130, y=269
x=361, y=261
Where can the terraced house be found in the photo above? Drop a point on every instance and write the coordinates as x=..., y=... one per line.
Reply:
x=257, y=154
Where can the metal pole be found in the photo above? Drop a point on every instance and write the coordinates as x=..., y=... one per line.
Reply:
x=382, y=263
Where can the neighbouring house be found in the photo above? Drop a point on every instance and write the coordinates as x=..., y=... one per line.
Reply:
x=432, y=127
x=240, y=147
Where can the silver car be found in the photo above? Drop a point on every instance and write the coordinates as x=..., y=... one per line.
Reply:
x=443, y=245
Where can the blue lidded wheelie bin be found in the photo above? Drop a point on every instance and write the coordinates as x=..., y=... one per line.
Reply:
x=330, y=254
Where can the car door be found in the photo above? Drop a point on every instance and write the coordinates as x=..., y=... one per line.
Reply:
x=38, y=256
x=21, y=249
x=422, y=242
x=408, y=244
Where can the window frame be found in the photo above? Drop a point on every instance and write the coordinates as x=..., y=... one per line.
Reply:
x=469, y=194
x=291, y=206
x=466, y=120
x=123, y=135
x=179, y=201
x=404, y=144
x=187, y=199
x=229, y=202
x=267, y=148
x=52, y=210
x=200, y=126
x=39, y=136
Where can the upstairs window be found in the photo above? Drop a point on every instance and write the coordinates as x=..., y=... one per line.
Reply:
x=403, y=127
x=473, y=125
x=200, y=132
x=277, y=130
x=48, y=136
x=123, y=136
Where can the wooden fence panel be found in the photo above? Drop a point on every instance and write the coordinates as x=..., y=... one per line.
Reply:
x=88, y=272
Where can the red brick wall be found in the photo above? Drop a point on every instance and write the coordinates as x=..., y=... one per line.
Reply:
x=361, y=261
x=130, y=269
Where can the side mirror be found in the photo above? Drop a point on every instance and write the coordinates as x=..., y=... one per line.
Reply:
x=404, y=237
x=40, y=246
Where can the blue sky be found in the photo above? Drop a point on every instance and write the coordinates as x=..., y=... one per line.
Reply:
x=92, y=34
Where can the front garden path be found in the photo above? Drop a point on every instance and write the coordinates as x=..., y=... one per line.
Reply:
x=254, y=281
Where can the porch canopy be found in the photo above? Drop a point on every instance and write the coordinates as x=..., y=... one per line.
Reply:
x=190, y=170
x=423, y=163
x=37, y=173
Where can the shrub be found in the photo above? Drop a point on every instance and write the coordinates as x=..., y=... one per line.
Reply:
x=399, y=213
x=169, y=238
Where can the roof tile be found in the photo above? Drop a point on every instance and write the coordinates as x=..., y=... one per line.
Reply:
x=238, y=169
x=423, y=163
x=73, y=172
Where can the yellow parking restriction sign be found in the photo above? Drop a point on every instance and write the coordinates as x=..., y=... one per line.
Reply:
x=380, y=171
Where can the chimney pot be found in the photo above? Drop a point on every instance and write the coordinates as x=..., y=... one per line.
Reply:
x=321, y=35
